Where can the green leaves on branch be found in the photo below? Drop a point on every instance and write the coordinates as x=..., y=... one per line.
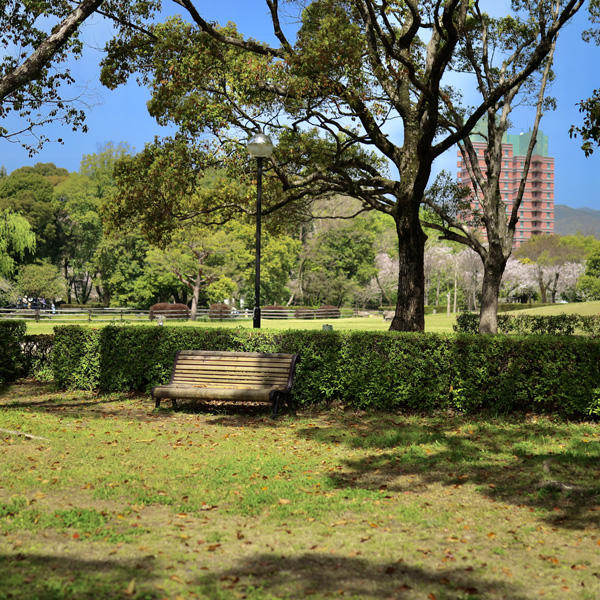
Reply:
x=16, y=238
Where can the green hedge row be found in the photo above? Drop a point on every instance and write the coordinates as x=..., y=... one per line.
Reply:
x=386, y=370
x=12, y=334
x=534, y=324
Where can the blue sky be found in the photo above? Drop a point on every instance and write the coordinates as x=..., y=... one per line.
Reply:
x=121, y=116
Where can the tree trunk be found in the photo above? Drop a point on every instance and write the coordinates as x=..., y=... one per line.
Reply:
x=195, y=296
x=543, y=287
x=410, y=313
x=67, y=280
x=493, y=269
x=455, y=290
x=555, y=287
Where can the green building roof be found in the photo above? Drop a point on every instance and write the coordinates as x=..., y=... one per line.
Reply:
x=519, y=141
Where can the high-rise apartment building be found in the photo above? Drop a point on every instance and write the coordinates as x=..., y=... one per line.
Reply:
x=536, y=215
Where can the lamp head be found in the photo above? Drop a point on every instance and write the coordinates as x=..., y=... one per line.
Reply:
x=260, y=146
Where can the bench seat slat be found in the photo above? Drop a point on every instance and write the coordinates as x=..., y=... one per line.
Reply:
x=252, y=394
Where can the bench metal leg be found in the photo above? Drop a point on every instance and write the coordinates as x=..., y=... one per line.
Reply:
x=157, y=403
x=174, y=403
x=275, y=401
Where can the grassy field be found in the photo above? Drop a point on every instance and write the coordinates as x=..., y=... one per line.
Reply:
x=112, y=499
x=437, y=323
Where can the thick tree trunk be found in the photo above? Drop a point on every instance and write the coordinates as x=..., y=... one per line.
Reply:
x=493, y=269
x=410, y=313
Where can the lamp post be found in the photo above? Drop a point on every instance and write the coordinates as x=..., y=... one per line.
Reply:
x=260, y=147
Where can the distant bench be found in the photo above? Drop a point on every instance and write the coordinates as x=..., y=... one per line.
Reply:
x=234, y=376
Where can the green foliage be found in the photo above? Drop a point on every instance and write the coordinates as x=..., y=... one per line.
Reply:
x=40, y=280
x=12, y=334
x=388, y=371
x=76, y=358
x=16, y=238
x=32, y=86
x=534, y=324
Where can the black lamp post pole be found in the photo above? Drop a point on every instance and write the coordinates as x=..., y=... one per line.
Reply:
x=256, y=322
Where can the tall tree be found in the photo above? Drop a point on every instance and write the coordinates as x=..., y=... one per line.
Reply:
x=330, y=97
x=37, y=36
x=510, y=39
x=589, y=130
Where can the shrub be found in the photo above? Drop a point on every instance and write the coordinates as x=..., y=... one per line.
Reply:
x=533, y=324
x=12, y=333
x=219, y=311
x=37, y=352
x=174, y=311
x=383, y=370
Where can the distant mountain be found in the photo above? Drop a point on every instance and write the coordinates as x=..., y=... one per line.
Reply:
x=569, y=220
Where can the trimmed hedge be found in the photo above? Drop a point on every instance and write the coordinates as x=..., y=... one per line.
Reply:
x=534, y=324
x=386, y=370
x=12, y=334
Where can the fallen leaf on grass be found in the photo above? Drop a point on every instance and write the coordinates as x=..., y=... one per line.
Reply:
x=284, y=501
x=213, y=547
x=130, y=590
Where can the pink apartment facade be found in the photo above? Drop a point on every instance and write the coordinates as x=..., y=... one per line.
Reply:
x=536, y=215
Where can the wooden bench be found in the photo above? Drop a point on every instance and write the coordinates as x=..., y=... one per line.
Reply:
x=208, y=375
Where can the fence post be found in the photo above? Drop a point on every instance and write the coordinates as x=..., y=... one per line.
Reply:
x=121, y=314
x=90, y=314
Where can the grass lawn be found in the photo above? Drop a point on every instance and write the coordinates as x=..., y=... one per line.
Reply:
x=440, y=323
x=121, y=501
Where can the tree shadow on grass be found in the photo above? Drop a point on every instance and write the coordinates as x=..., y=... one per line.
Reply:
x=504, y=458
x=52, y=577
x=333, y=575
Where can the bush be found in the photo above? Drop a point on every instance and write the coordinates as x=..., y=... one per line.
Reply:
x=219, y=311
x=533, y=324
x=37, y=353
x=166, y=309
x=12, y=334
x=387, y=370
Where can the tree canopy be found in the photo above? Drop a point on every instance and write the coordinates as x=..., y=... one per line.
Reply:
x=330, y=93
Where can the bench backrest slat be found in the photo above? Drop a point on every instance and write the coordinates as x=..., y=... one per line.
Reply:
x=233, y=369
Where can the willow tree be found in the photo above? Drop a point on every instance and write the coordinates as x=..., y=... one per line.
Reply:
x=354, y=95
